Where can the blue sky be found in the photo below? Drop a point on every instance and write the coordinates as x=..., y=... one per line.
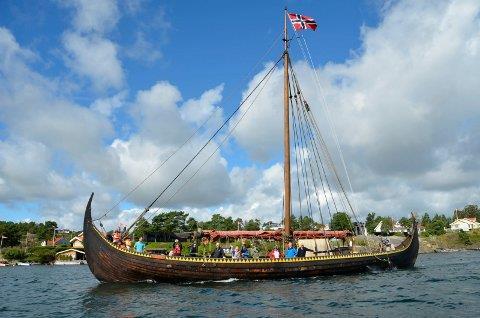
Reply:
x=186, y=50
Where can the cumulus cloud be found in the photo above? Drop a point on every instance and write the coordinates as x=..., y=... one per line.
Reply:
x=405, y=107
x=88, y=52
x=107, y=106
x=143, y=50
x=95, y=16
x=49, y=140
x=96, y=58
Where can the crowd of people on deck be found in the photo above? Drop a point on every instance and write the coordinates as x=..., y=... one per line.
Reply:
x=120, y=239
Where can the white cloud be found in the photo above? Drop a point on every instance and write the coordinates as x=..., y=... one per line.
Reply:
x=405, y=107
x=198, y=111
x=259, y=132
x=107, y=106
x=95, y=16
x=143, y=50
x=96, y=58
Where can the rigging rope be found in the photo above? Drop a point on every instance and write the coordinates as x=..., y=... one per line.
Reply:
x=305, y=111
x=215, y=151
x=315, y=153
x=327, y=111
x=123, y=198
x=205, y=145
x=324, y=147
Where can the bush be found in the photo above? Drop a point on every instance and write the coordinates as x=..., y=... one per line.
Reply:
x=43, y=254
x=15, y=254
x=464, y=238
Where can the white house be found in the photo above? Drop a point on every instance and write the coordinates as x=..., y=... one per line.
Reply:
x=398, y=228
x=466, y=224
x=77, y=241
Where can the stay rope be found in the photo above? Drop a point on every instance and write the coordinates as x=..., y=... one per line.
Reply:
x=307, y=56
x=196, y=132
x=205, y=145
x=227, y=136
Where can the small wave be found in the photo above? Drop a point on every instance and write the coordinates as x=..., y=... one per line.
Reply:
x=222, y=281
x=229, y=280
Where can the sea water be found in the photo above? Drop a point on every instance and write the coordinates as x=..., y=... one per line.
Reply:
x=440, y=285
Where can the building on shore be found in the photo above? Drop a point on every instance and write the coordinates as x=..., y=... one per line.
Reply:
x=396, y=228
x=71, y=254
x=465, y=224
x=59, y=240
x=77, y=241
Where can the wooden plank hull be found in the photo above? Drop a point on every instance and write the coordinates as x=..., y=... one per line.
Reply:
x=111, y=264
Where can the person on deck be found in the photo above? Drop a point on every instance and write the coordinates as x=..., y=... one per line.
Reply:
x=193, y=249
x=244, y=252
x=117, y=237
x=291, y=251
x=140, y=245
x=175, y=243
x=218, y=252
x=236, y=253
x=177, y=250
x=128, y=243
x=276, y=252
x=302, y=250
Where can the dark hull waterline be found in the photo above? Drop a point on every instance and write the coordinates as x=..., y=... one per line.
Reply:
x=111, y=264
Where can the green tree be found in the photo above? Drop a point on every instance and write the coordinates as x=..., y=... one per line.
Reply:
x=370, y=222
x=306, y=223
x=387, y=224
x=442, y=219
x=436, y=227
x=252, y=225
x=45, y=231
x=406, y=222
x=239, y=223
x=425, y=220
x=294, y=223
x=470, y=211
x=341, y=221
x=173, y=221
x=191, y=225
x=143, y=228
x=218, y=222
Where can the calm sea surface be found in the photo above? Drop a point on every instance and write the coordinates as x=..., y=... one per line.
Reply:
x=441, y=285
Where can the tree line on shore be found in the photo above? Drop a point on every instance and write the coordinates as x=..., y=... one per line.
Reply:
x=17, y=234
x=433, y=225
x=179, y=221
x=26, y=233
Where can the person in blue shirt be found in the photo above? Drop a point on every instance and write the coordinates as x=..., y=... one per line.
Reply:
x=244, y=252
x=291, y=251
x=140, y=246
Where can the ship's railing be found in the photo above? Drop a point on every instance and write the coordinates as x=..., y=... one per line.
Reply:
x=379, y=255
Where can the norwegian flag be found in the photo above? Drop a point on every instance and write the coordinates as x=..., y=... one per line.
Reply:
x=302, y=22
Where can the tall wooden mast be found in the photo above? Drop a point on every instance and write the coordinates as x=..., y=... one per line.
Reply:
x=286, y=137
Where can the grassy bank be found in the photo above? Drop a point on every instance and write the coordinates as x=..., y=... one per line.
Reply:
x=38, y=254
x=451, y=240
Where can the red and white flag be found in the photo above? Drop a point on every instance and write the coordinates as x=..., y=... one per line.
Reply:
x=302, y=22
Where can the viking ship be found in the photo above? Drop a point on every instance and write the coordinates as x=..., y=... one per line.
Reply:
x=110, y=263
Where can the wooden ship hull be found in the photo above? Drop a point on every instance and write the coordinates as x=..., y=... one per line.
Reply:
x=109, y=263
